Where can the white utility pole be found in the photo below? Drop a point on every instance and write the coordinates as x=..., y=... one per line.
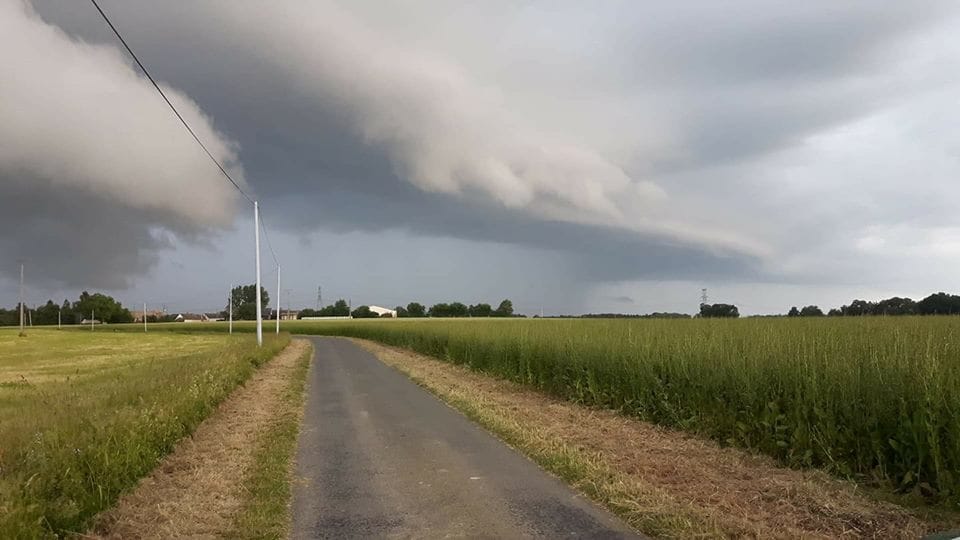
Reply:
x=92, y=315
x=278, y=299
x=256, y=228
x=59, y=313
x=144, y=317
x=230, y=309
x=21, y=299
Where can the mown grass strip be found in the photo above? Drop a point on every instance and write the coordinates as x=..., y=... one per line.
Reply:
x=266, y=510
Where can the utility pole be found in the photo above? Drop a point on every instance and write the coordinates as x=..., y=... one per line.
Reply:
x=278, y=299
x=59, y=313
x=21, y=300
x=144, y=317
x=319, y=297
x=92, y=314
x=230, y=309
x=256, y=230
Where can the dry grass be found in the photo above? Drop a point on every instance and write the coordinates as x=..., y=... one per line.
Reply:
x=663, y=482
x=196, y=491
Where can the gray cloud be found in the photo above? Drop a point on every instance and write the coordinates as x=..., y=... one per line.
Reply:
x=644, y=142
x=91, y=162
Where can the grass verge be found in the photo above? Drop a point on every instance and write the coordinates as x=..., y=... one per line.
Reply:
x=83, y=416
x=266, y=510
x=664, y=483
x=206, y=485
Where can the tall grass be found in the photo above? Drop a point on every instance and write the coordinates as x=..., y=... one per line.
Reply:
x=875, y=399
x=83, y=415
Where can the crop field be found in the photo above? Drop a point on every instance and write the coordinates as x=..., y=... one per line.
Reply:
x=84, y=415
x=873, y=399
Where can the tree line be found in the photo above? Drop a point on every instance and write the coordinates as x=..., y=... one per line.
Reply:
x=939, y=303
x=100, y=306
x=340, y=308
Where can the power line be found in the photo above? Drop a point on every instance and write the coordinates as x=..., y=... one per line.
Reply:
x=174, y=109
x=266, y=237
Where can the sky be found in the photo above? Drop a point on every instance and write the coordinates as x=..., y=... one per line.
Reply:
x=573, y=157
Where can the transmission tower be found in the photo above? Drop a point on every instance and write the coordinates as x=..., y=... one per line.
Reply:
x=703, y=297
x=319, y=297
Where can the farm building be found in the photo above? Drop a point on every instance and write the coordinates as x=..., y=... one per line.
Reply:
x=138, y=314
x=383, y=312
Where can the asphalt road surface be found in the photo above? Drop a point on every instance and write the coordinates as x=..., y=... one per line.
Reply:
x=380, y=457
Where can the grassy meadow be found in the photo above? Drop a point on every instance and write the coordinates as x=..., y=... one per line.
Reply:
x=873, y=399
x=84, y=415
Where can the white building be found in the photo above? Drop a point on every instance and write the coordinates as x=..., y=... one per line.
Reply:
x=383, y=312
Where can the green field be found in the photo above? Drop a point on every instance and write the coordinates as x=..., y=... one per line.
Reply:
x=873, y=399
x=84, y=415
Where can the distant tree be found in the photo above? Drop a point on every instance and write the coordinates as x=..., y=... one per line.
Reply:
x=46, y=314
x=480, y=310
x=811, y=311
x=505, y=309
x=939, y=304
x=401, y=311
x=416, y=309
x=794, y=312
x=363, y=312
x=439, y=310
x=858, y=308
x=245, y=301
x=341, y=308
x=896, y=306
x=103, y=307
x=458, y=309
x=719, y=310
x=834, y=313
x=308, y=312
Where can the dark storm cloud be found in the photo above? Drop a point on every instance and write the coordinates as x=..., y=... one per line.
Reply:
x=330, y=137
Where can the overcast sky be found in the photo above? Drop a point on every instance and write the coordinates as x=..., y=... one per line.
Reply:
x=572, y=156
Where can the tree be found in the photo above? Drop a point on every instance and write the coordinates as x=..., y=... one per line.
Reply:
x=458, y=309
x=505, y=309
x=341, y=308
x=794, y=312
x=46, y=314
x=401, y=311
x=719, y=310
x=363, y=312
x=858, y=308
x=245, y=301
x=104, y=308
x=480, y=310
x=896, y=306
x=811, y=311
x=939, y=304
x=416, y=309
x=439, y=310
x=834, y=313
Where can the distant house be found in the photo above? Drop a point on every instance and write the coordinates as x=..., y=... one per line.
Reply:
x=138, y=314
x=383, y=312
x=213, y=317
x=88, y=321
x=289, y=314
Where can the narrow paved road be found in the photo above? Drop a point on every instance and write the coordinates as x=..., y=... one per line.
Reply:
x=380, y=457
